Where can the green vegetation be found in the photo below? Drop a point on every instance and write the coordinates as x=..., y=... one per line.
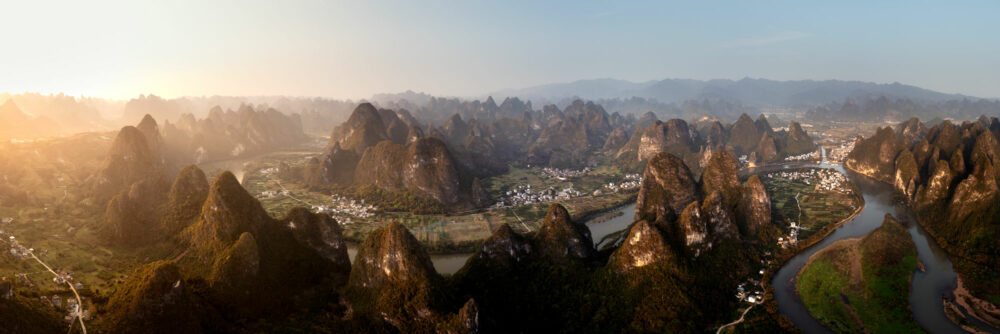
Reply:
x=863, y=284
x=395, y=201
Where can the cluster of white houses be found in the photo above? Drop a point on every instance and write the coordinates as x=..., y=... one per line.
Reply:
x=631, y=182
x=525, y=194
x=563, y=174
x=839, y=153
x=63, y=277
x=344, y=209
x=793, y=236
x=814, y=155
x=821, y=179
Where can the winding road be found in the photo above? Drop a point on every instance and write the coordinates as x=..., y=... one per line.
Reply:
x=79, y=302
x=734, y=323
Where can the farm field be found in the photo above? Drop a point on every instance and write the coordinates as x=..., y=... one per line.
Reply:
x=797, y=197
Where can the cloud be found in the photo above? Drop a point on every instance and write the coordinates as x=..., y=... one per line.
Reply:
x=776, y=38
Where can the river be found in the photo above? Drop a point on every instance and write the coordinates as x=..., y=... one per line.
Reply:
x=929, y=287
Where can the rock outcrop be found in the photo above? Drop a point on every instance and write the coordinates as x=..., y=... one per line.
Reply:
x=671, y=136
x=911, y=131
x=335, y=166
x=667, y=187
x=561, y=238
x=645, y=245
x=692, y=226
x=876, y=156
x=362, y=130
x=743, y=135
x=907, y=175
x=754, y=210
x=505, y=247
x=425, y=168
x=797, y=141
x=253, y=260
x=721, y=174
x=393, y=278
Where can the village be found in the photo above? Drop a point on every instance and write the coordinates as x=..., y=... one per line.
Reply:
x=752, y=290
x=63, y=277
x=839, y=152
x=822, y=179
x=343, y=209
x=525, y=195
x=631, y=182
x=814, y=155
x=564, y=174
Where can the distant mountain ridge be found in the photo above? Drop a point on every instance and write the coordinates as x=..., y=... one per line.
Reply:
x=763, y=92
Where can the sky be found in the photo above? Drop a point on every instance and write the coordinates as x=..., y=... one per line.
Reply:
x=120, y=49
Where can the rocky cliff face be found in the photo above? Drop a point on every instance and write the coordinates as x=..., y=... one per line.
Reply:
x=430, y=171
x=335, y=166
x=562, y=144
x=251, y=259
x=667, y=187
x=616, y=140
x=907, y=174
x=693, y=229
x=561, y=238
x=322, y=234
x=911, y=131
x=948, y=173
x=937, y=188
x=975, y=194
x=362, y=130
x=754, y=208
x=875, y=156
x=672, y=136
x=766, y=151
x=425, y=168
x=391, y=255
x=797, y=141
x=505, y=247
x=743, y=135
x=720, y=217
x=645, y=245
x=721, y=174
x=393, y=278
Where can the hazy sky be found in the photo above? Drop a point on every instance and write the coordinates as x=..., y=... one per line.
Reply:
x=467, y=48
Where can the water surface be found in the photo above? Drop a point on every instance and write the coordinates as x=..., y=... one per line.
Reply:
x=928, y=287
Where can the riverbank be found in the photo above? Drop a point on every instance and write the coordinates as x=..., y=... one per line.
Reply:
x=975, y=307
x=587, y=216
x=855, y=284
x=787, y=254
